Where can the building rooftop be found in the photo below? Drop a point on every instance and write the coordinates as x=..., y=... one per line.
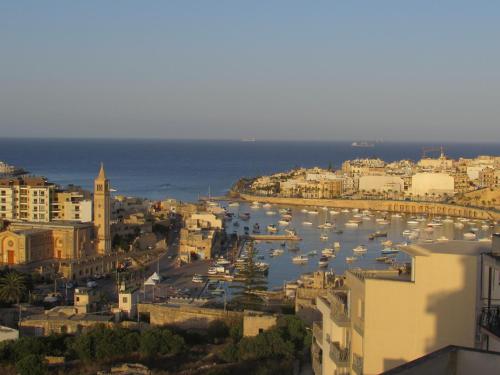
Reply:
x=48, y=225
x=448, y=247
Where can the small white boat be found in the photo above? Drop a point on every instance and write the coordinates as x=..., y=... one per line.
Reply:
x=390, y=250
x=336, y=245
x=312, y=253
x=350, y=259
x=300, y=259
x=345, y=211
x=266, y=205
x=277, y=252
x=212, y=271
x=326, y=225
x=383, y=222
x=328, y=252
x=333, y=212
x=442, y=239
x=360, y=249
x=313, y=212
x=244, y=215
x=221, y=261
x=307, y=223
x=324, y=208
x=291, y=231
x=323, y=237
x=412, y=222
x=396, y=216
x=270, y=213
x=233, y=204
x=304, y=211
x=387, y=243
x=271, y=228
x=198, y=279
x=283, y=222
x=351, y=224
x=406, y=232
x=459, y=225
x=323, y=261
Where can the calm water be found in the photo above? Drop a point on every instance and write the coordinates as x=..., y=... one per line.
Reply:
x=282, y=269
x=185, y=169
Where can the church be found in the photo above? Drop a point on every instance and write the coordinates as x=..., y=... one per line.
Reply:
x=62, y=244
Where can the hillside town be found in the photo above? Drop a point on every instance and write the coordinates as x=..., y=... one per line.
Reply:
x=438, y=179
x=91, y=264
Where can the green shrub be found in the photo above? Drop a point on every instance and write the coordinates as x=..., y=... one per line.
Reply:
x=32, y=364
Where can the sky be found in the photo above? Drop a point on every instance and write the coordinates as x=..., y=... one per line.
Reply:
x=292, y=70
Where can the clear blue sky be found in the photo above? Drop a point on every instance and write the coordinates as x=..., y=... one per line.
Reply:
x=397, y=70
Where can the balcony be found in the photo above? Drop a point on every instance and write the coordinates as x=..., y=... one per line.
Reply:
x=340, y=356
x=490, y=319
x=318, y=333
x=339, y=310
x=357, y=364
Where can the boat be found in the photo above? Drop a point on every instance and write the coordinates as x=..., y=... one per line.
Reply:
x=262, y=267
x=351, y=224
x=283, y=222
x=233, y=204
x=323, y=261
x=396, y=216
x=339, y=231
x=304, y=211
x=221, y=261
x=270, y=213
x=377, y=234
x=290, y=231
x=326, y=225
x=442, y=239
x=333, y=212
x=383, y=222
x=312, y=253
x=212, y=271
x=324, y=208
x=266, y=205
x=256, y=228
x=345, y=211
x=336, y=245
x=350, y=259
x=381, y=259
x=300, y=259
x=313, y=212
x=328, y=252
x=286, y=216
x=323, y=237
x=276, y=252
x=197, y=279
x=469, y=236
x=387, y=243
x=459, y=225
x=244, y=215
x=255, y=205
x=485, y=239
x=307, y=223
x=363, y=144
x=406, y=232
x=271, y=228
x=389, y=250
x=360, y=249
x=412, y=222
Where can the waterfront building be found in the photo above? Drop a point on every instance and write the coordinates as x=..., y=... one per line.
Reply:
x=426, y=184
x=200, y=237
x=381, y=184
x=377, y=320
x=488, y=178
x=102, y=212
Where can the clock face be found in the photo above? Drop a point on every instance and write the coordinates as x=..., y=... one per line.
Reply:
x=10, y=243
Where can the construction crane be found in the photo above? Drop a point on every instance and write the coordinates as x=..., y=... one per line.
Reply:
x=426, y=150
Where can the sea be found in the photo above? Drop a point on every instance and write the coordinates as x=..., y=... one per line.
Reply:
x=188, y=169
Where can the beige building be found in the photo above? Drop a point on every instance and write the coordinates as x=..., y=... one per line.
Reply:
x=381, y=184
x=426, y=184
x=25, y=198
x=72, y=205
x=378, y=320
x=27, y=242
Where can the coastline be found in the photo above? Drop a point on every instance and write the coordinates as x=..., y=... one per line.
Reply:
x=379, y=205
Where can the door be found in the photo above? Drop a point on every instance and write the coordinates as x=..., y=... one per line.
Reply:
x=10, y=256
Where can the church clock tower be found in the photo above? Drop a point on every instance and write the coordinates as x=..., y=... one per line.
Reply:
x=102, y=213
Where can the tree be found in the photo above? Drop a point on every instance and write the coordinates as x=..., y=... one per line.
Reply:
x=160, y=341
x=32, y=364
x=12, y=287
x=253, y=279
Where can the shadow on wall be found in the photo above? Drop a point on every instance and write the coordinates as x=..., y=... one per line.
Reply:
x=455, y=311
x=390, y=363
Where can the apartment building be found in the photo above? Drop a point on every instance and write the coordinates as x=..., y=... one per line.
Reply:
x=26, y=198
x=74, y=204
x=201, y=236
x=379, y=319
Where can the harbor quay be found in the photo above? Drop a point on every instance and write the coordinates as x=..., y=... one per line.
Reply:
x=412, y=208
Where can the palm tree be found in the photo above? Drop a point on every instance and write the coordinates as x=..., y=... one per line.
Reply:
x=12, y=288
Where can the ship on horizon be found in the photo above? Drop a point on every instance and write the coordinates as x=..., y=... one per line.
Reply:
x=250, y=139
x=363, y=144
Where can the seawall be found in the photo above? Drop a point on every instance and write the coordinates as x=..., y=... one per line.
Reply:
x=383, y=205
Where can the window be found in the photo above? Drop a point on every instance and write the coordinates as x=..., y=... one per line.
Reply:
x=35, y=193
x=42, y=193
x=77, y=216
x=3, y=192
x=42, y=201
x=3, y=208
x=3, y=200
x=124, y=300
x=78, y=298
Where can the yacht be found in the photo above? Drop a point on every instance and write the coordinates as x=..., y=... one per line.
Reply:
x=326, y=225
x=307, y=223
x=328, y=252
x=221, y=261
x=283, y=222
x=345, y=211
x=270, y=213
x=351, y=224
x=469, y=236
x=323, y=261
x=313, y=212
x=198, y=279
x=323, y=237
x=300, y=259
x=266, y=205
x=304, y=211
x=233, y=204
x=389, y=250
x=277, y=252
x=336, y=245
x=360, y=249
x=412, y=222
x=333, y=212
x=312, y=253
x=350, y=259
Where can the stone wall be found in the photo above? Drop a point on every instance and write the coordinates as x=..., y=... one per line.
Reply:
x=384, y=205
x=255, y=323
x=186, y=316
